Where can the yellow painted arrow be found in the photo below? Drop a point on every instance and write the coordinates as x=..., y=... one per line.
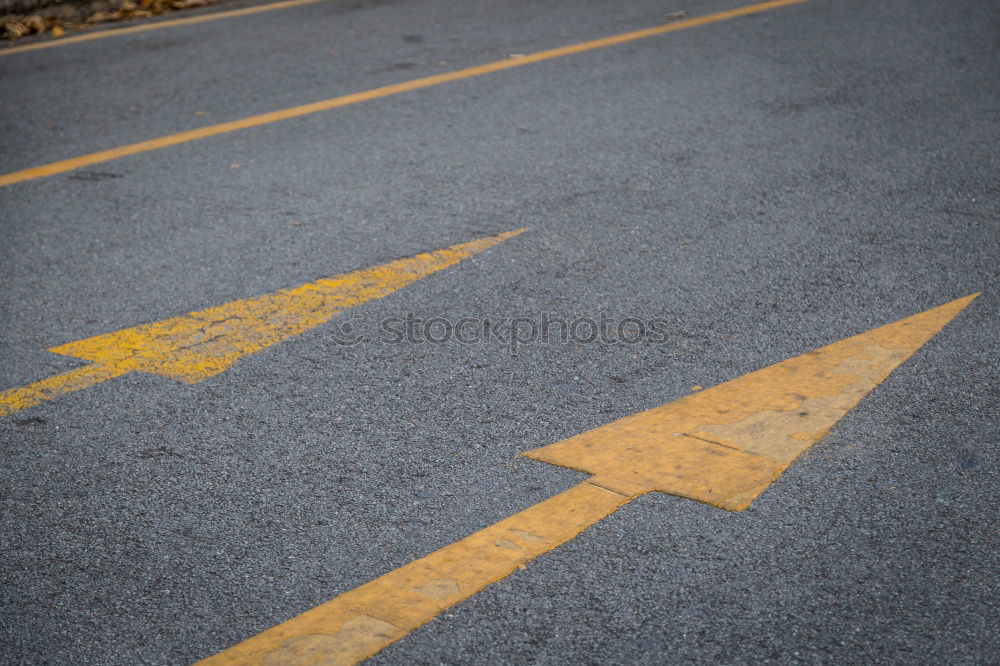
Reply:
x=723, y=446
x=198, y=345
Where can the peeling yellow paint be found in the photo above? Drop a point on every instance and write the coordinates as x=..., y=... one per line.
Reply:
x=723, y=446
x=356, y=635
x=198, y=345
x=683, y=465
x=16, y=399
x=521, y=535
x=441, y=588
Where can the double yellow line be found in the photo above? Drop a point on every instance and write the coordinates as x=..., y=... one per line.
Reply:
x=102, y=156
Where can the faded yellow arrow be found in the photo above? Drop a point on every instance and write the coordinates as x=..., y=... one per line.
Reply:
x=723, y=446
x=198, y=345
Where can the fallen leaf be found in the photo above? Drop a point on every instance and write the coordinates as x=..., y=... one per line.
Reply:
x=14, y=29
x=63, y=16
x=34, y=23
x=673, y=16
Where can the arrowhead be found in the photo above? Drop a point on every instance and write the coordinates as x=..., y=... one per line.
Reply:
x=725, y=445
x=201, y=344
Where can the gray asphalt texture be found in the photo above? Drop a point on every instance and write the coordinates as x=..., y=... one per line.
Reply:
x=767, y=185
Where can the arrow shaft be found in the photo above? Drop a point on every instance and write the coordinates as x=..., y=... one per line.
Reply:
x=199, y=345
x=16, y=399
x=359, y=623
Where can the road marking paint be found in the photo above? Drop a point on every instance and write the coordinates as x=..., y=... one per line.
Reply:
x=102, y=156
x=195, y=346
x=695, y=446
x=155, y=25
x=359, y=623
x=722, y=446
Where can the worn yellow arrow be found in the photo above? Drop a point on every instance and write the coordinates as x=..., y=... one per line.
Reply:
x=198, y=345
x=723, y=446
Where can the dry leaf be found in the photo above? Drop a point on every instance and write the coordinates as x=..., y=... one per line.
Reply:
x=78, y=15
x=34, y=23
x=14, y=29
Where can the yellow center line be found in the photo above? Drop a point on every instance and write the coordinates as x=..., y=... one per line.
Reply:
x=99, y=157
x=746, y=432
x=155, y=25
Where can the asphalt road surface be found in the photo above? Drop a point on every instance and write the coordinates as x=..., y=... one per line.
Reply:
x=760, y=186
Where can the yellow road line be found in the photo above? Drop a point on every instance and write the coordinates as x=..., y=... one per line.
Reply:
x=14, y=400
x=359, y=623
x=155, y=25
x=198, y=345
x=723, y=446
x=99, y=157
